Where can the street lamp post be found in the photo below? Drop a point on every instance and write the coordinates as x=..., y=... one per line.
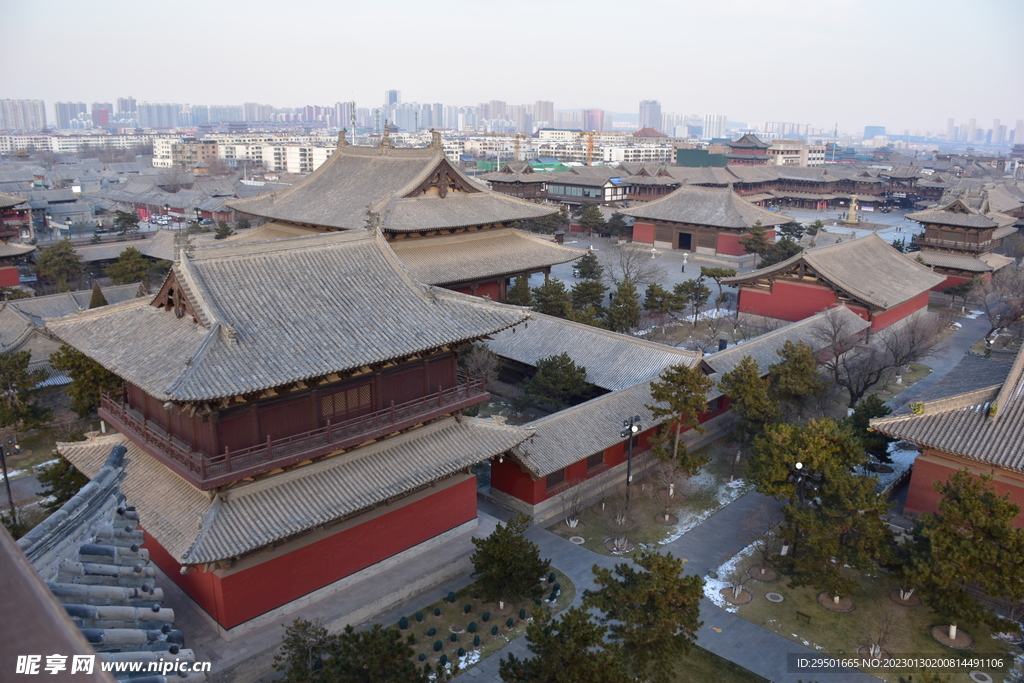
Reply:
x=199, y=216
x=631, y=428
x=804, y=479
x=67, y=221
x=7, y=483
x=49, y=225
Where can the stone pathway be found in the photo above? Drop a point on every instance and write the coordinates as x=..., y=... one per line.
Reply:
x=704, y=547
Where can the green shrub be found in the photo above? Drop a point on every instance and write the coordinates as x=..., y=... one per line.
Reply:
x=522, y=614
x=485, y=616
x=462, y=652
x=403, y=623
x=472, y=627
x=494, y=630
x=551, y=577
x=451, y=596
x=419, y=616
x=437, y=611
x=467, y=609
x=443, y=660
x=510, y=622
x=422, y=657
x=431, y=632
x=454, y=637
x=476, y=641
x=438, y=645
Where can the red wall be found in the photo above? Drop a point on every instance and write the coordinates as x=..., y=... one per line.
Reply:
x=787, y=300
x=9, y=277
x=240, y=596
x=922, y=496
x=886, y=318
x=953, y=280
x=643, y=232
x=509, y=478
x=729, y=243
x=491, y=289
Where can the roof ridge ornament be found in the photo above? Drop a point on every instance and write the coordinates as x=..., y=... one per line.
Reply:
x=385, y=140
x=435, y=139
x=342, y=139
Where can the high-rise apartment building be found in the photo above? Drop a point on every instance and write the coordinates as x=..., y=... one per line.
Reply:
x=1018, y=132
x=22, y=114
x=714, y=126
x=391, y=98
x=158, y=115
x=67, y=112
x=650, y=114
x=996, y=138
x=950, y=130
x=544, y=113
x=593, y=119
x=101, y=113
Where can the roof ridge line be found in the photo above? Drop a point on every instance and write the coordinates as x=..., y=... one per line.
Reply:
x=1010, y=385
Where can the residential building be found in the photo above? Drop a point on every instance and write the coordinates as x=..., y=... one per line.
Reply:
x=67, y=113
x=543, y=114
x=593, y=119
x=714, y=127
x=650, y=114
x=22, y=114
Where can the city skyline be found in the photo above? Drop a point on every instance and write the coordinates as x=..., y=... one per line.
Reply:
x=903, y=78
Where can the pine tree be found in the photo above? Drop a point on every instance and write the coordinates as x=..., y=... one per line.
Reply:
x=780, y=251
x=652, y=615
x=833, y=515
x=694, y=293
x=223, y=231
x=507, y=564
x=97, y=299
x=60, y=481
x=552, y=298
x=88, y=379
x=680, y=395
x=557, y=380
x=792, y=230
x=757, y=242
x=18, y=407
x=795, y=380
x=379, y=655
x=874, y=443
x=126, y=223
x=972, y=540
x=303, y=650
x=131, y=266
x=60, y=264
x=588, y=293
x=617, y=225
x=569, y=650
x=591, y=218
x=750, y=398
x=717, y=275
x=588, y=267
x=624, y=310
x=589, y=315
x=519, y=294
x=657, y=298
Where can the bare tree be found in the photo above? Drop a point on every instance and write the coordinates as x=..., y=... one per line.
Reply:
x=886, y=620
x=857, y=364
x=573, y=499
x=758, y=529
x=480, y=361
x=1001, y=298
x=737, y=578
x=747, y=326
x=631, y=262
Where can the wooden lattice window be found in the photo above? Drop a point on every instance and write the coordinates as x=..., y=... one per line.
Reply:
x=554, y=479
x=347, y=402
x=596, y=460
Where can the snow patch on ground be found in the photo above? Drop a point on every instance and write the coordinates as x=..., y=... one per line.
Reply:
x=13, y=474
x=469, y=659
x=901, y=458
x=713, y=586
x=972, y=315
x=725, y=493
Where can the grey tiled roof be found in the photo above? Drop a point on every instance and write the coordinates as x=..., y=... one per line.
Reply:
x=277, y=312
x=764, y=348
x=613, y=361
x=8, y=249
x=980, y=424
x=716, y=207
x=955, y=213
x=982, y=264
x=353, y=179
x=471, y=256
x=576, y=433
x=254, y=515
x=867, y=269
x=706, y=175
x=9, y=200
x=159, y=246
x=57, y=305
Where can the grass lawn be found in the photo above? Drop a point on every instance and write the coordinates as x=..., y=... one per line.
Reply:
x=453, y=614
x=701, y=666
x=699, y=498
x=37, y=445
x=917, y=372
x=842, y=633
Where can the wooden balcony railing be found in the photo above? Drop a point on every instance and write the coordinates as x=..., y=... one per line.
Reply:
x=988, y=245
x=208, y=471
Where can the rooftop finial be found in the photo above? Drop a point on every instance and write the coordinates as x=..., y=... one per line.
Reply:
x=435, y=139
x=342, y=139
x=385, y=139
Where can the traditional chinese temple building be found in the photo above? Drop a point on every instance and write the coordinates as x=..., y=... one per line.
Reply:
x=16, y=220
x=413, y=195
x=706, y=220
x=748, y=151
x=959, y=240
x=292, y=409
x=866, y=275
x=518, y=179
x=970, y=419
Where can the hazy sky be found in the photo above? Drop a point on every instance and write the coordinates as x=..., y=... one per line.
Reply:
x=897, y=63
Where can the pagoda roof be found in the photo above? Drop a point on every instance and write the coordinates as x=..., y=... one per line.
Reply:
x=982, y=263
x=649, y=132
x=867, y=270
x=8, y=200
x=412, y=189
x=702, y=175
x=982, y=424
x=748, y=141
x=613, y=360
x=716, y=207
x=471, y=256
x=253, y=515
x=956, y=213
x=266, y=314
x=10, y=249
